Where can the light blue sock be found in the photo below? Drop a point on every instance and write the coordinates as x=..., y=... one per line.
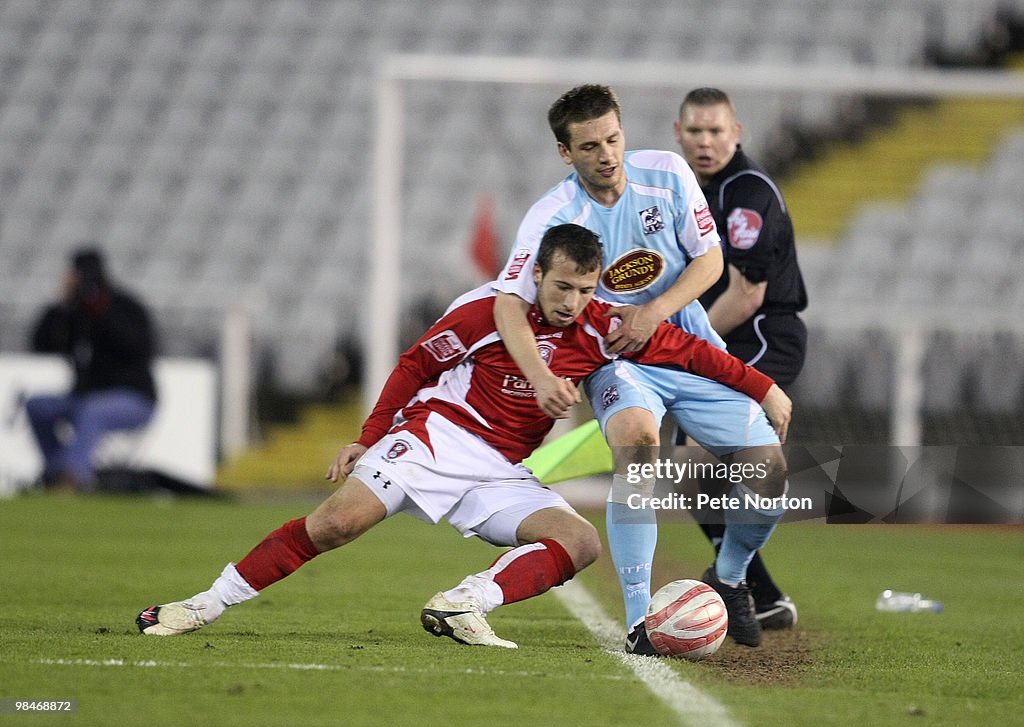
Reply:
x=632, y=539
x=746, y=531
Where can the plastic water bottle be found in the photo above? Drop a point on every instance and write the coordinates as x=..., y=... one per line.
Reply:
x=906, y=602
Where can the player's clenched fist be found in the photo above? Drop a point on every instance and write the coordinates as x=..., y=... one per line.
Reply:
x=556, y=396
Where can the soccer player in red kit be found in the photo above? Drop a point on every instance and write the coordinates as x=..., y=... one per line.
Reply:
x=447, y=438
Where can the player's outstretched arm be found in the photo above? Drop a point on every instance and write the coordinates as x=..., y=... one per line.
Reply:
x=779, y=409
x=671, y=345
x=345, y=461
x=555, y=395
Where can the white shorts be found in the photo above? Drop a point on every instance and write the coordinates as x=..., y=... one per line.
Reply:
x=443, y=472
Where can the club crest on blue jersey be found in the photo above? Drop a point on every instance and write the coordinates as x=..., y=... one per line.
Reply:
x=399, y=448
x=609, y=396
x=651, y=220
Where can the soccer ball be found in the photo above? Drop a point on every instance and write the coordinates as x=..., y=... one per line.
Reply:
x=686, y=618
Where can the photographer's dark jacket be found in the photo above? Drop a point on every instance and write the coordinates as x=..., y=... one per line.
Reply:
x=110, y=342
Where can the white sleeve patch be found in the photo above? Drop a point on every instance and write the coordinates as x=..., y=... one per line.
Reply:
x=445, y=346
x=744, y=228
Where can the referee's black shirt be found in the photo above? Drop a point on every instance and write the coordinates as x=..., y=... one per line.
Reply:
x=757, y=238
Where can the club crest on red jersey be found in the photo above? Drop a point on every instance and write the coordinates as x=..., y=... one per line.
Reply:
x=651, y=220
x=399, y=448
x=546, y=351
x=744, y=228
x=445, y=346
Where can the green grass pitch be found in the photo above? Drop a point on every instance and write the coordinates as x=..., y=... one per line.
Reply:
x=339, y=642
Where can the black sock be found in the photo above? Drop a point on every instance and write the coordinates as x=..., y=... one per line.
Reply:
x=762, y=587
x=714, y=532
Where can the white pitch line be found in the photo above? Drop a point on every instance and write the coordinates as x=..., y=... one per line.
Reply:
x=153, y=664
x=693, y=706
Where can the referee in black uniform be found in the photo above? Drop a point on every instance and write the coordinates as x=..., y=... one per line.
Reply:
x=755, y=304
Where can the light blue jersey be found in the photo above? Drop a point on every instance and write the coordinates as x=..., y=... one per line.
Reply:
x=659, y=224
x=656, y=227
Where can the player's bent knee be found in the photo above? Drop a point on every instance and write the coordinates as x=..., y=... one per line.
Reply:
x=632, y=427
x=774, y=480
x=586, y=550
x=576, y=535
x=582, y=552
x=769, y=467
x=581, y=541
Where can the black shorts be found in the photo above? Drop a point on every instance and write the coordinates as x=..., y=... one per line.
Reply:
x=774, y=344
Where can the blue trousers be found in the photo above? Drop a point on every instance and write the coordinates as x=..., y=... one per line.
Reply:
x=90, y=417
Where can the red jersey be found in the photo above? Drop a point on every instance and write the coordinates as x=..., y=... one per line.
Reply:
x=461, y=370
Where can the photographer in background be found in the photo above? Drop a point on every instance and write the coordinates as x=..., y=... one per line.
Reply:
x=108, y=338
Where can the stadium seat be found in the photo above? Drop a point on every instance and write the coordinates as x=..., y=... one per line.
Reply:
x=236, y=128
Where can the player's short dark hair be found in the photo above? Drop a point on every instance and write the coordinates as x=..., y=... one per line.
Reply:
x=582, y=103
x=577, y=243
x=706, y=96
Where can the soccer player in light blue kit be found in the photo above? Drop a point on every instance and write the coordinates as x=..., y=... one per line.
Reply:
x=661, y=252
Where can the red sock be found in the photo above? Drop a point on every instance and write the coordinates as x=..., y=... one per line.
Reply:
x=529, y=570
x=277, y=555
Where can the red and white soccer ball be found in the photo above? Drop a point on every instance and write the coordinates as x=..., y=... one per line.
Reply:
x=688, y=619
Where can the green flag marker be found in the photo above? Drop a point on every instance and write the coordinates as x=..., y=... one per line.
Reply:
x=580, y=453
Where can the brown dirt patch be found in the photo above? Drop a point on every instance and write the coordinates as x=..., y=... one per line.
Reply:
x=780, y=659
x=783, y=656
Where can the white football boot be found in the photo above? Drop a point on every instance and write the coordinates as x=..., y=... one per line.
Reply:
x=173, y=619
x=461, y=621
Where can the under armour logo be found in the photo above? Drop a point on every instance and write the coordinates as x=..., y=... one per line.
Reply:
x=377, y=476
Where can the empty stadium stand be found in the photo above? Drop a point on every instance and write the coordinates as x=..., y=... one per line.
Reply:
x=221, y=151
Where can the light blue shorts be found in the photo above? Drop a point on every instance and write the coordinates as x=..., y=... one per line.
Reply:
x=720, y=419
